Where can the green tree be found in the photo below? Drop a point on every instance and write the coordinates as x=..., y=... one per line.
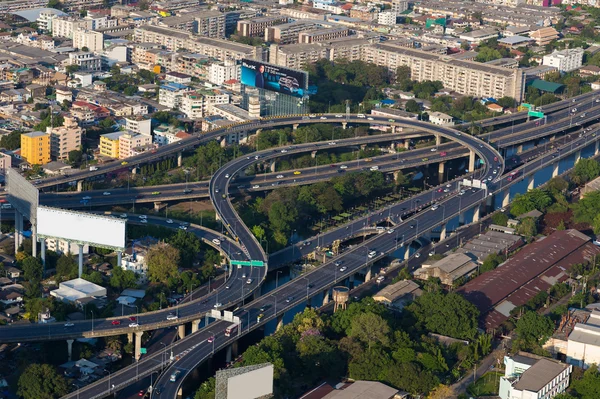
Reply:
x=586, y=209
x=71, y=69
x=66, y=267
x=121, y=279
x=259, y=232
x=500, y=219
x=532, y=199
x=207, y=389
x=94, y=277
x=12, y=140
x=75, y=157
x=587, y=387
x=533, y=329
x=163, y=262
x=32, y=269
x=485, y=54
x=491, y=262
x=188, y=246
x=370, y=329
x=585, y=169
x=507, y=102
x=55, y=4
x=412, y=106
x=130, y=90
x=448, y=314
x=41, y=381
x=527, y=227
x=402, y=73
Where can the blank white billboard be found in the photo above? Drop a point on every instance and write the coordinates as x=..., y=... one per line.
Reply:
x=78, y=227
x=251, y=385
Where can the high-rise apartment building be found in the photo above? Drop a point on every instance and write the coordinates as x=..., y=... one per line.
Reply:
x=257, y=26
x=211, y=24
x=92, y=40
x=35, y=148
x=65, y=138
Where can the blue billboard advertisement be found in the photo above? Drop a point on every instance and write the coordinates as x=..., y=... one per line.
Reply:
x=274, y=78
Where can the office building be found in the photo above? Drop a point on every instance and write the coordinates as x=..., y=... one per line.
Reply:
x=220, y=72
x=287, y=33
x=566, y=60
x=464, y=77
x=528, y=376
x=93, y=41
x=65, y=138
x=109, y=144
x=322, y=35
x=256, y=27
x=211, y=24
x=65, y=26
x=35, y=148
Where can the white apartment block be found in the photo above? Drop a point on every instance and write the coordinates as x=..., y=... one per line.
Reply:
x=464, y=77
x=170, y=94
x=139, y=125
x=223, y=71
x=196, y=105
x=565, y=60
x=94, y=41
x=65, y=26
x=165, y=134
x=388, y=18
x=100, y=22
x=533, y=377
x=65, y=247
x=86, y=61
x=211, y=24
x=399, y=6
x=130, y=141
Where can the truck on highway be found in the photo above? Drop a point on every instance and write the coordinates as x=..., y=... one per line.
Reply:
x=229, y=331
x=175, y=376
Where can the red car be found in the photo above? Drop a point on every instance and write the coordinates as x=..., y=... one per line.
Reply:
x=133, y=318
x=443, y=154
x=440, y=190
x=115, y=322
x=211, y=339
x=141, y=393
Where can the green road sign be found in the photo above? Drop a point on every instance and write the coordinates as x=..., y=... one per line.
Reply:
x=528, y=106
x=257, y=263
x=143, y=351
x=537, y=114
x=247, y=263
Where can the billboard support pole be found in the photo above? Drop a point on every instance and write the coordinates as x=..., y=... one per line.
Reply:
x=80, y=259
x=43, y=253
x=34, y=240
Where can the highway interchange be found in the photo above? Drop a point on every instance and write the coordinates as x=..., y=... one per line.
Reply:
x=319, y=279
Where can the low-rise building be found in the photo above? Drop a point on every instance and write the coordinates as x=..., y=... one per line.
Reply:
x=399, y=294
x=139, y=124
x=220, y=72
x=78, y=289
x=170, y=94
x=441, y=119
x=544, y=36
x=583, y=345
x=167, y=134
x=566, y=60
x=256, y=27
x=35, y=147
x=448, y=269
x=480, y=35
x=528, y=376
x=88, y=39
x=109, y=144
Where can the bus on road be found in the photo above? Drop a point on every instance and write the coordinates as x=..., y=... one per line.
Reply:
x=232, y=329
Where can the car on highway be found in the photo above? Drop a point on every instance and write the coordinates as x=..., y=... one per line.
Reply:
x=132, y=318
x=155, y=192
x=433, y=150
x=417, y=255
x=143, y=220
x=374, y=168
x=115, y=322
x=289, y=299
x=170, y=221
x=216, y=190
x=106, y=193
x=249, y=281
x=435, y=207
x=280, y=176
x=424, y=159
x=360, y=115
x=391, y=231
x=187, y=190
x=69, y=324
x=211, y=339
x=339, y=262
x=283, y=151
x=332, y=143
x=183, y=228
x=255, y=186
x=368, y=159
x=143, y=217
x=343, y=167
x=339, y=116
x=461, y=192
x=133, y=325
x=217, y=305
x=343, y=268
x=431, y=253
x=141, y=393
x=216, y=241
x=323, y=117
x=312, y=116
x=259, y=317
x=87, y=198
x=172, y=316
x=123, y=215
x=443, y=154
x=369, y=118
x=227, y=175
x=439, y=190
x=124, y=163
x=446, y=190
x=297, y=172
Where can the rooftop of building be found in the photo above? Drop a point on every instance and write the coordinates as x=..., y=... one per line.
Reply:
x=514, y=39
x=363, y=390
x=393, y=292
x=539, y=375
x=34, y=134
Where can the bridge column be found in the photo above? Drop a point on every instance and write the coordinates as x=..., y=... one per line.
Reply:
x=179, y=159
x=396, y=175
x=520, y=148
x=313, y=154
x=406, y=251
x=326, y=297
x=505, y=198
x=438, y=140
x=471, y=160
x=443, y=232
x=196, y=325
x=577, y=156
x=130, y=338
x=597, y=148
x=34, y=240
x=235, y=349
x=80, y=259
x=181, y=331
x=555, y=170
x=134, y=171
x=273, y=166
x=344, y=125
x=476, y=212
x=407, y=144
x=531, y=183
x=43, y=252
x=228, y=356
x=79, y=185
x=368, y=273
x=138, y=344
x=70, y=348
x=157, y=206
x=461, y=219
x=441, y=171
x=295, y=126
x=363, y=147
x=279, y=322
x=18, y=229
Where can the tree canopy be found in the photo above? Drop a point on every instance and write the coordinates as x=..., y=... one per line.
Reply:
x=163, y=262
x=533, y=329
x=41, y=381
x=585, y=170
x=532, y=199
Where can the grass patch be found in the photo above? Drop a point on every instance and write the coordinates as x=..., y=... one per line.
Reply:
x=486, y=385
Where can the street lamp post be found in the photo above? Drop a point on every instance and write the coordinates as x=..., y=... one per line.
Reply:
x=307, y=285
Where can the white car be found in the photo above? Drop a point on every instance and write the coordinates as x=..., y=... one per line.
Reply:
x=431, y=253
x=332, y=143
x=462, y=192
x=495, y=172
x=343, y=268
x=143, y=217
x=106, y=193
x=433, y=150
x=183, y=227
x=123, y=215
x=133, y=325
x=172, y=317
x=369, y=118
x=143, y=220
x=227, y=176
x=249, y=281
x=312, y=116
x=343, y=167
x=390, y=231
x=280, y=176
x=323, y=117
x=434, y=207
x=341, y=116
x=417, y=255
x=255, y=186
x=69, y=324
x=218, y=305
x=169, y=221
x=448, y=185
x=87, y=198
x=284, y=151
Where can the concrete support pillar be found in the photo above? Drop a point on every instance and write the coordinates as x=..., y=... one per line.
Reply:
x=363, y=147
x=461, y=219
x=368, y=274
x=18, y=229
x=441, y=171
x=235, y=349
x=555, y=170
x=476, y=214
x=180, y=393
x=295, y=126
x=471, y=160
x=273, y=166
x=179, y=159
x=443, y=232
x=157, y=206
x=119, y=255
x=34, y=240
x=407, y=144
x=397, y=175
x=505, y=198
x=70, y=348
x=438, y=140
x=80, y=259
x=130, y=338
x=531, y=183
x=313, y=154
x=279, y=322
x=79, y=185
x=138, y=344
x=181, y=331
x=520, y=148
x=196, y=325
x=228, y=356
x=344, y=125
x=393, y=129
x=577, y=156
x=134, y=171
x=406, y=251
x=326, y=297
x=597, y=148
x=43, y=252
